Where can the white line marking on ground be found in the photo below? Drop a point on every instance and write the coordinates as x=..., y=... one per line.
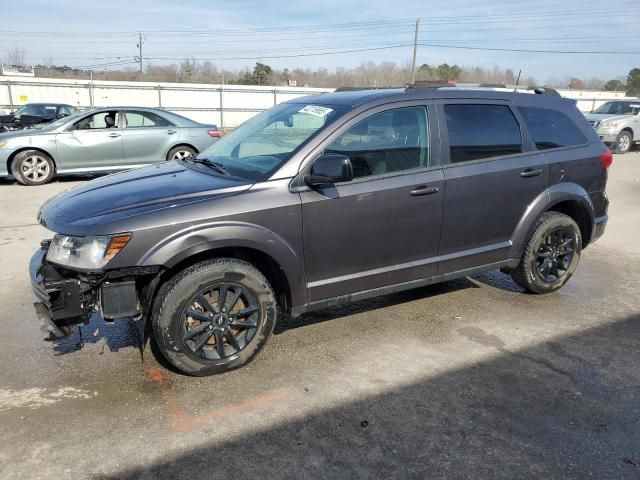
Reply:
x=39, y=397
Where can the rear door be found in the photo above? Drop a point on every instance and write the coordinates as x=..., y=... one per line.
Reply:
x=92, y=143
x=492, y=174
x=383, y=227
x=147, y=137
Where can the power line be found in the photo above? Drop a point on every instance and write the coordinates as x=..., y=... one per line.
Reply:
x=524, y=50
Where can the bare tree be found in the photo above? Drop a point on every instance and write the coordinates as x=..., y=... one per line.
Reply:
x=16, y=57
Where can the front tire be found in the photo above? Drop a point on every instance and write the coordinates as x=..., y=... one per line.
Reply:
x=33, y=167
x=623, y=142
x=214, y=316
x=551, y=255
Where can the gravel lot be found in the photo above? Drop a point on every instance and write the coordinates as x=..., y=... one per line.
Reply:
x=467, y=379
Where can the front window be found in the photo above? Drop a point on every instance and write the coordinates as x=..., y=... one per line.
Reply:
x=36, y=110
x=619, y=108
x=261, y=145
x=98, y=121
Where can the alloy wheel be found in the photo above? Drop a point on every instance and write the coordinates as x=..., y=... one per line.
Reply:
x=220, y=320
x=180, y=154
x=554, y=255
x=35, y=168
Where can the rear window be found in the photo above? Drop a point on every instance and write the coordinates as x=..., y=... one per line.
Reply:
x=551, y=128
x=481, y=131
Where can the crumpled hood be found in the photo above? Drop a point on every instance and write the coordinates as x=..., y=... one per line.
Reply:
x=601, y=117
x=87, y=208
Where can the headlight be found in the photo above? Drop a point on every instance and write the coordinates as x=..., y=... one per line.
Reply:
x=86, y=252
x=2, y=144
x=607, y=125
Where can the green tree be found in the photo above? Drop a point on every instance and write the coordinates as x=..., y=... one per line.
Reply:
x=447, y=73
x=614, y=86
x=633, y=83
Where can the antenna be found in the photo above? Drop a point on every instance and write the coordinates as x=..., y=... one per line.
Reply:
x=517, y=81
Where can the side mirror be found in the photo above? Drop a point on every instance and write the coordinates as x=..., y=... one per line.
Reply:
x=328, y=169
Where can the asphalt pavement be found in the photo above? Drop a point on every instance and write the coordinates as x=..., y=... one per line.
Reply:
x=465, y=379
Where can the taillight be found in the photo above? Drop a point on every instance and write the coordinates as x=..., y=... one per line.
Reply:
x=214, y=133
x=606, y=158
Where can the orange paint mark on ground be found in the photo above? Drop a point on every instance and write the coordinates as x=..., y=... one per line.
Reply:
x=181, y=422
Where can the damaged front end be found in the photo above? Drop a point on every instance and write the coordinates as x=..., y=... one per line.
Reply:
x=68, y=298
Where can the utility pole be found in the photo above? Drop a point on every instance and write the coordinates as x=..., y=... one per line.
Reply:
x=140, y=55
x=415, y=50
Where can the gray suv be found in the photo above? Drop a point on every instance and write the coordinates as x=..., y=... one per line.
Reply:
x=320, y=201
x=617, y=123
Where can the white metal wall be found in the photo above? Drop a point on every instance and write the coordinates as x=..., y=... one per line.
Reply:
x=225, y=105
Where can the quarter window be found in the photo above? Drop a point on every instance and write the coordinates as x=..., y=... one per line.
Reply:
x=386, y=142
x=551, y=128
x=145, y=119
x=481, y=131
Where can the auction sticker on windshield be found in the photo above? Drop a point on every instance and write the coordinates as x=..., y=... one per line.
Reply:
x=316, y=110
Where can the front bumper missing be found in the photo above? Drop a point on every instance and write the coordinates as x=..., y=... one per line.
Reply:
x=63, y=302
x=67, y=298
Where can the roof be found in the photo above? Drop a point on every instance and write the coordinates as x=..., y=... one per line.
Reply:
x=354, y=98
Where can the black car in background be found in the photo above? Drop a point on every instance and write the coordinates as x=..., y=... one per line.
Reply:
x=35, y=114
x=321, y=201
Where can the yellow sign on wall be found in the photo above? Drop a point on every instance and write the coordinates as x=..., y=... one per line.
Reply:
x=24, y=98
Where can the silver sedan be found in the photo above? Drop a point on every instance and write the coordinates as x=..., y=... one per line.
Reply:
x=102, y=140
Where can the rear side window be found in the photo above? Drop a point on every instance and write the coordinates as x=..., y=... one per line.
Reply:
x=145, y=119
x=481, y=131
x=551, y=128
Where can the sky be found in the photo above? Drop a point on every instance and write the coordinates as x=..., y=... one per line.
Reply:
x=236, y=34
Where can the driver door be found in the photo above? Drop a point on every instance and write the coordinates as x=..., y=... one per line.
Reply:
x=383, y=227
x=92, y=143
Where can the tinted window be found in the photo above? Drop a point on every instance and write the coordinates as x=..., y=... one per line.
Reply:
x=386, y=142
x=145, y=119
x=551, y=128
x=481, y=131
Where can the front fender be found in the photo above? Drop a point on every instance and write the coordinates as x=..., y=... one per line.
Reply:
x=554, y=195
x=210, y=236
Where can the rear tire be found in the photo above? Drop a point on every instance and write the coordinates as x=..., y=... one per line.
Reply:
x=551, y=255
x=33, y=167
x=623, y=142
x=201, y=332
x=180, y=152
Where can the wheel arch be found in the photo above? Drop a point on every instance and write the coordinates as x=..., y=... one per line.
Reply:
x=261, y=247
x=568, y=198
x=265, y=263
x=181, y=144
x=630, y=130
x=24, y=149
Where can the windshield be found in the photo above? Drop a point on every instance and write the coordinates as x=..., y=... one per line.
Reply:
x=619, y=108
x=62, y=121
x=37, y=110
x=261, y=145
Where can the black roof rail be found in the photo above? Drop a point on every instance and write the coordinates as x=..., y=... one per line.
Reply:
x=429, y=84
x=356, y=89
x=545, y=91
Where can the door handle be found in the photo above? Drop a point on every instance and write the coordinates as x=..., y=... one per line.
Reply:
x=114, y=135
x=170, y=132
x=530, y=172
x=423, y=190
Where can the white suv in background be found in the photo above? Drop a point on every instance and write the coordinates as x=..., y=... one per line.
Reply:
x=617, y=123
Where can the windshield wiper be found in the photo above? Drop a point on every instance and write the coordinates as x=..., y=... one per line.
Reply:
x=218, y=167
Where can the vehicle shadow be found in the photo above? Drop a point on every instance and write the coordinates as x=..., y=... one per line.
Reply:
x=124, y=334
x=564, y=408
x=494, y=279
x=121, y=334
